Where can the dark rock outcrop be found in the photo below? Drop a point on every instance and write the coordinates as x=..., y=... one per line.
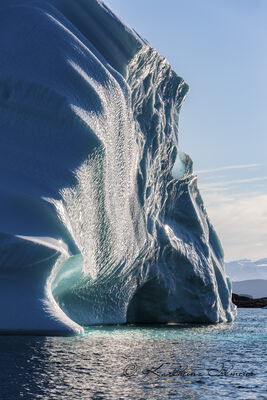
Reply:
x=247, y=302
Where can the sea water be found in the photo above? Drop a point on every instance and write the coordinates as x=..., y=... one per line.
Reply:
x=224, y=361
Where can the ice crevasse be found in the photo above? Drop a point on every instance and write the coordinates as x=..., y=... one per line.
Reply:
x=94, y=228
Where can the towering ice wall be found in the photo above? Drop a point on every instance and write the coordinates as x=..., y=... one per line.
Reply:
x=93, y=226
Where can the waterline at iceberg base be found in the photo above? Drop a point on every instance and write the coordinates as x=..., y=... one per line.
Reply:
x=94, y=227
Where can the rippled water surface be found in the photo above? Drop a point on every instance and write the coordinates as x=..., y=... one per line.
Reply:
x=226, y=361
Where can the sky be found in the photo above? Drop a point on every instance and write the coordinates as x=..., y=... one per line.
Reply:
x=220, y=48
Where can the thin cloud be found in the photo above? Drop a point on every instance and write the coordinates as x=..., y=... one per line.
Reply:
x=207, y=171
x=223, y=185
x=241, y=224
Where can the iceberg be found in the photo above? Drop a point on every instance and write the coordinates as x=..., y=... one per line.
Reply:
x=94, y=227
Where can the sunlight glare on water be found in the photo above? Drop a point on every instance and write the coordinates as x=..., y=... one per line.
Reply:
x=132, y=362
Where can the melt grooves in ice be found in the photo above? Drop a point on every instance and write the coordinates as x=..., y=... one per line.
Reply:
x=94, y=227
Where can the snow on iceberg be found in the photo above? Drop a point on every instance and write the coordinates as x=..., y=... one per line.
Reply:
x=94, y=228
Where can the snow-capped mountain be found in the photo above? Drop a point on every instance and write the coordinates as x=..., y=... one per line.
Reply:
x=245, y=269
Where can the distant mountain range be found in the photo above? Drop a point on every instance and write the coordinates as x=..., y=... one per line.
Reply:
x=245, y=269
x=255, y=288
x=248, y=277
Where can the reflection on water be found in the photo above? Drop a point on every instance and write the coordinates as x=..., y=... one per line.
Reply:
x=129, y=362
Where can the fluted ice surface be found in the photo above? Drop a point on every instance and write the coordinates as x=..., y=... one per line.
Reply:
x=94, y=227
